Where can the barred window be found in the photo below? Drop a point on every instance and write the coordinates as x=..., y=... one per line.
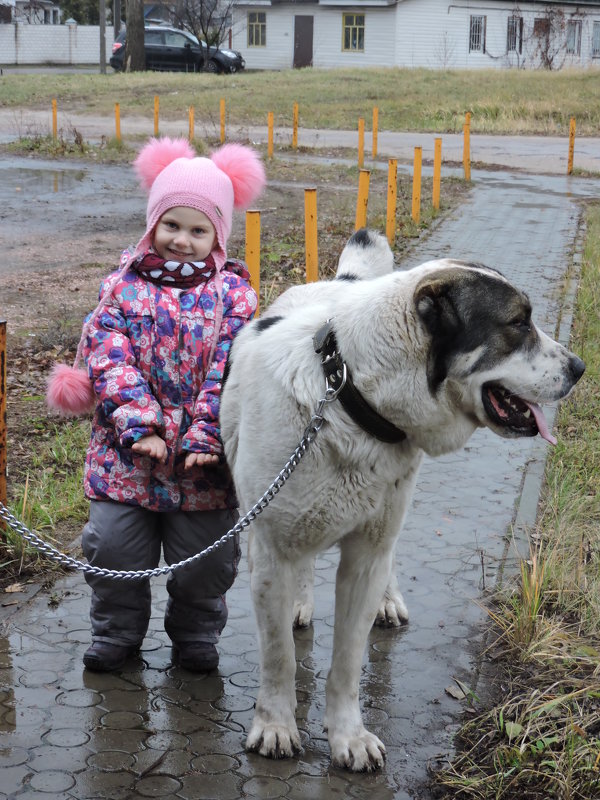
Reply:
x=257, y=29
x=596, y=40
x=477, y=35
x=514, y=35
x=574, y=37
x=354, y=32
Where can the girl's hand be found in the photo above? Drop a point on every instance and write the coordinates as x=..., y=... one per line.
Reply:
x=200, y=460
x=152, y=446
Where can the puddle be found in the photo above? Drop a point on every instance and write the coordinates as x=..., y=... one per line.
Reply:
x=36, y=182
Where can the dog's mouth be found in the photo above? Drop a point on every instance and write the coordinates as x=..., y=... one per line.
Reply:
x=516, y=415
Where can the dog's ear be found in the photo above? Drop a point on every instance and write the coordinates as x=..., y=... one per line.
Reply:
x=435, y=304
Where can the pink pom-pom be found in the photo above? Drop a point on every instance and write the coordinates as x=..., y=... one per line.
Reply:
x=244, y=169
x=158, y=154
x=70, y=391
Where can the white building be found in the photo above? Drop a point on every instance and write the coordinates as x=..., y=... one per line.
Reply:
x=278, y=34
x=32, y=12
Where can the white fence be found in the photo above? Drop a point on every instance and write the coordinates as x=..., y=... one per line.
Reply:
x=52, y=44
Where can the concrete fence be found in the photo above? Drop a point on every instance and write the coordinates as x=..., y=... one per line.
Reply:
x=22, y=43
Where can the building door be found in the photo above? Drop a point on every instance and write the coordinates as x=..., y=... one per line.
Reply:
x=303, y=41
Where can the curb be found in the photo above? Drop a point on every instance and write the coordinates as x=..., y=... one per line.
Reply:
x=526, y=512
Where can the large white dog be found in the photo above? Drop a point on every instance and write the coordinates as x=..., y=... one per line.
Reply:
x=421, y=358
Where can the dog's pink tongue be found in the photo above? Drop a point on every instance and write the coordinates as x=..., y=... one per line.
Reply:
x=540, y=421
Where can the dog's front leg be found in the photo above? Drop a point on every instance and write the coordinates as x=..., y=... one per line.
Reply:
x=361, y=579
x=274, y=732
x=392, y=611
x=304, y=595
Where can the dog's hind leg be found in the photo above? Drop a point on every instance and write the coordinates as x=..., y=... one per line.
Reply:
x=361, y=580
x=274, y=732
x=304, y=595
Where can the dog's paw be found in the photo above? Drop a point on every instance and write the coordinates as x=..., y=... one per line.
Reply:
x=273, y=741
x=303, y=613
x=363, y=752
x=392, y=612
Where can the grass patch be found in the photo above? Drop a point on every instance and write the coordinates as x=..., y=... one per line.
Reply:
x=541, y=740
x=71, y=144
x=500, y=101
x=51, y=491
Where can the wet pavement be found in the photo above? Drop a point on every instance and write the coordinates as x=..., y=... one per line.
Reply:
x=154, y=730
x=536, y=154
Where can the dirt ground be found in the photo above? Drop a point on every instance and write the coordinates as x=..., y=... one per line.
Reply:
x=64, y=224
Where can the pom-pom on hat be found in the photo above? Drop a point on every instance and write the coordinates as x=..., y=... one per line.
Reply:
x=174, y=176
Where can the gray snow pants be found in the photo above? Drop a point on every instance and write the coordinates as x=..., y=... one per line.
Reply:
x=124, y=537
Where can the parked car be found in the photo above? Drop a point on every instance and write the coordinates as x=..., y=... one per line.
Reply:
x=173, y=49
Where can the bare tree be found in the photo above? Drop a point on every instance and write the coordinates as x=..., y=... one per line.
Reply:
x=547, y=38
x=33, y=12
x=208, y=20
x=135, y=54
x=445, y=51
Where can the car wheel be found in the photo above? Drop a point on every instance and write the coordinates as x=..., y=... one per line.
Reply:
x=212, y=66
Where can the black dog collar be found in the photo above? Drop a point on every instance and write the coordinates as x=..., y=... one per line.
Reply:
x=353, y=402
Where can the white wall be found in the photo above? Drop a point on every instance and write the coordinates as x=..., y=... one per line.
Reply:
x=327, y=37
x=435, y=33
x=52, y=44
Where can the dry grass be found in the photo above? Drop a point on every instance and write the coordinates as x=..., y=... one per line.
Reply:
x=500, y=101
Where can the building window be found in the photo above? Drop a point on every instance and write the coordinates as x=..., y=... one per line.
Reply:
x=477, y=35
x=574, y=37
x=354, y=32
x=257, y=29
x=596, y=40
x=514, y=35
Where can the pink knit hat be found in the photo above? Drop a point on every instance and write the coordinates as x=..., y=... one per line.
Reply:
x=231, y=178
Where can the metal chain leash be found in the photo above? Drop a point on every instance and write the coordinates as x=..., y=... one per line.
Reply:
x=310, y=434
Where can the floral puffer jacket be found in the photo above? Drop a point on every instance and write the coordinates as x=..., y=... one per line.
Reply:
x=146, y=354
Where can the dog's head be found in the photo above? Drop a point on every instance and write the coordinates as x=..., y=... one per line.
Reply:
x=486, y=354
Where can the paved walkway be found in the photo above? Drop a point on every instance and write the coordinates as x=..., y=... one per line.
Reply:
x=157, y=731
x=537, y=154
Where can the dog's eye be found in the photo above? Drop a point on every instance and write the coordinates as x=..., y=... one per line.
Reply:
x=523, y=323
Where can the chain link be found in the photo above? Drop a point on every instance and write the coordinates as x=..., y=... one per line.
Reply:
x=310, y=434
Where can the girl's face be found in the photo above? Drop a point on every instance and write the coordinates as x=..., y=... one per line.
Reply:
x=184, y=234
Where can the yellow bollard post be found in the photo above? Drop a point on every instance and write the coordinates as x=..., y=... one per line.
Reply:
x=191, y=123
x=310, y=235
x=252, y=255
x=571, y=146
x=392, y=194
x=467, y=151
x=222, y=114
x=295, y=128
x=468, y=118
x=117, y=122
x=54, y=120
x=416, y=193
x=270, y=134
x=362, y=201
x=3, y=390
x=375, y=131
x=361, y=143
x=156, y=105
x=437, y=172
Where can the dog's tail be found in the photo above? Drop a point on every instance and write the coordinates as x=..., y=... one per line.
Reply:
x=366, y=255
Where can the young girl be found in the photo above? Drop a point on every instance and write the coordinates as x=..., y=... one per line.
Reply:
x=155, y=350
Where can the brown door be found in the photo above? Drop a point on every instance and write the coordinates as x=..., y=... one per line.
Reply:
x=303, y=41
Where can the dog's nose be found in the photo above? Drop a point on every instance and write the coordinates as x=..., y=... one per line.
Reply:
x=576, y=368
